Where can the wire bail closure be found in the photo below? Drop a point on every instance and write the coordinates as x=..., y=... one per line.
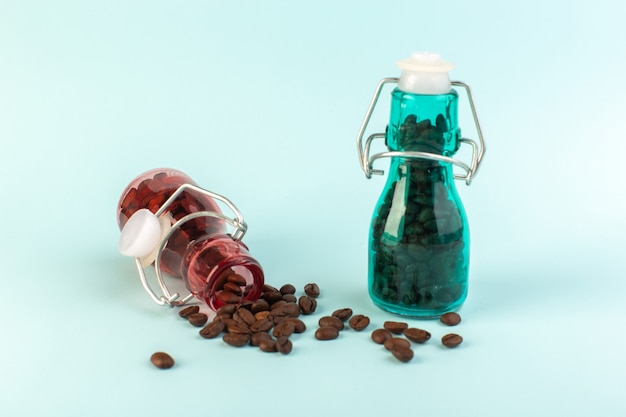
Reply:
x=174, y=299
x=366, y=161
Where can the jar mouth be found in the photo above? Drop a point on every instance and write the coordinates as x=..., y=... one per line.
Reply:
x=234, y=281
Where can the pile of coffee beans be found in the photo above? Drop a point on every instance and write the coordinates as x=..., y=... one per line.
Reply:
x=420, y=262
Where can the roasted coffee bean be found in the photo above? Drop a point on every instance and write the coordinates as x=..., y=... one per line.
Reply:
x=451, y=340
x=237, y=328
x=359, y=322
x=262, y=325
x=236, y=339
x=262, y=315
x=342, y=314
x=292, y=309
x=257, y=338
x=326, y=333
x=284, y=328
x=290, y=298
x=162, y=360
x=287, y=289
x=267, y=345
x=186, y=312
x=381, y=335
x=450, y=319
x=234, y=288
x=307, y=304
x=395, y=327
x=236, y=279
x=277, y=304
x=212, y=329
x=330, y=321
x=198, y=319
x=269, y=288
x=299, y=326
x=403, y=355
x=284, y=345
x=244, y=316
x=227, y=297
x=397, y=343
x=416, y=335
x=312, y=290
x=259, y=305
x=226, y=309
x=272, y=297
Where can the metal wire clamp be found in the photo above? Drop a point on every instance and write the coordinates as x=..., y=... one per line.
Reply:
x=366, y=161
x=174, y=299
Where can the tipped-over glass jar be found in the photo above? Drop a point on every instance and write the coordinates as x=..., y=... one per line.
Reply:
x=168, y=221
x=419, y=237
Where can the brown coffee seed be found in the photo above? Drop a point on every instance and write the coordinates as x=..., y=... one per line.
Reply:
x=212, y=329
x=299, y=326
x=259, y=305
x=262, y=325
x=236, y=279
x=262, y=315
x=326, y=333
x=234, y=288
x=186, y=312
x=272, y=297
x=403, y=355
x=244, y=316
x=330, y=321
x=226, y=309
x=291, y=309
x=395, y=327
x=342, y=314
x=257, y=338
x=397, y=343
x=312, y=290
x=450, y=319
x=290, y=298
x=284, y=345
x=277, y=304
x=287, y=289
x=416, y=335
x=162, y=360
x=284, y=328
x=381, y=335
x=227, y=297
x=198, y=319
x=269, y=288
x=307, y=304
x=267, y=345
x=451, y=340
x=237, y=328
x=236, y=339
x=359, y=322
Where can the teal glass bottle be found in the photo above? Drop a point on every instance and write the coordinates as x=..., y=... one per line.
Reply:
x=419, y=237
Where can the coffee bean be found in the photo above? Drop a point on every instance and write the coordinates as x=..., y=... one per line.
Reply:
x=290, y=298
x=284, y=328
x=397, y=343
x=291, y=309
x=237, y=328
x=259, y=305
x=267, y=345
x=236, y=279
x=359, y=322
x=186, y=312
x=287, y=289
x=262, y=315
x=403, y=355
x=299, y=326
x=262, y=325
x=244, y=316
x=272, y=297
x=227, y=297
x=451, y=340
x=342, y=314
x=236, y=339
x=416, y=335
x=284, y=345
x=269, y=288
x=257, y=338
x=162, y=360
x=277, y=304
x=381, y=335
x=226, y=309
x=396, y=327
x=326, y=333
x=450, y=319
x=307, y=304
x=330, y=321
x=198, y=319
x=234, y=288
x=212, y=329
x=312, y=290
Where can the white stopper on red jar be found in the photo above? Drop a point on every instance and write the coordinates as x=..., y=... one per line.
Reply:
x=425, y=73
x=140, y=235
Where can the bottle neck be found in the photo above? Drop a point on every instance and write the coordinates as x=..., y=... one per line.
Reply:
x=424, y=123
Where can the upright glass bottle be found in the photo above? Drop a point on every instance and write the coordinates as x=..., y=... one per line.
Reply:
x=419, y=236
x=216, y=267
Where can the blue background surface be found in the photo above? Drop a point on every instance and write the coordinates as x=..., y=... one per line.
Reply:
x=261, y=102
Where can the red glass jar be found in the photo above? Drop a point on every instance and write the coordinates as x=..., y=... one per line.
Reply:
x=216, y=268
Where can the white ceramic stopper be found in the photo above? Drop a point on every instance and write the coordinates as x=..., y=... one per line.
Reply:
x=140, y=235
x=425, y=73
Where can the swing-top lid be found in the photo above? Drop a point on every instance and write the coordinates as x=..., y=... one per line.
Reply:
x=425, y=73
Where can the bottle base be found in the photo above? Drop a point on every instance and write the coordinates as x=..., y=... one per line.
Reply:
x=415, y=311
